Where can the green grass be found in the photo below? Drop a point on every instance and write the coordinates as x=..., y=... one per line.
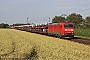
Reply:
x=21, y=45
x=82, y=32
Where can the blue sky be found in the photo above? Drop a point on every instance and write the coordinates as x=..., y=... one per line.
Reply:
x=38, y=11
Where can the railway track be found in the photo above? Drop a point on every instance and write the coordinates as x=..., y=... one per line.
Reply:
x=84, y=41
x=80, y=40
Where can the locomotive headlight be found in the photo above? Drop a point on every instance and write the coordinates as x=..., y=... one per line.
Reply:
x=71, y=29
x=65, y=29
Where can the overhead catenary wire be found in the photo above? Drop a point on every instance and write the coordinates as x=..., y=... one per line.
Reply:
x=78, y=11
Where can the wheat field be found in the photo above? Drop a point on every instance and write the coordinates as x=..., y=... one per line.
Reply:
x=21, y=45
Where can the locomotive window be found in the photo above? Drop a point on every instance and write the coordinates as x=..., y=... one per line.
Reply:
x=68, y=25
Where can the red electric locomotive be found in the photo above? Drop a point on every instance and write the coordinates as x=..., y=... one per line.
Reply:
x=61, y=30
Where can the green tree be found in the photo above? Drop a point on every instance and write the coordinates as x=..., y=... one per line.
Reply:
x=75, y=18
x=87, y=19
x=58, y=19
x=2, y=25
x=6, y=25
x=87, y=22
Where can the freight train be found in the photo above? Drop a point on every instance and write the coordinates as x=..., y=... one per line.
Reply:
x=61, y=30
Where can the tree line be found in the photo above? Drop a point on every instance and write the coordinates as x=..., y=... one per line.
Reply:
x=77, y=19
x=3, y=25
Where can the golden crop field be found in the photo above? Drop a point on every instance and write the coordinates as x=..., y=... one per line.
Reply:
x=21, y=45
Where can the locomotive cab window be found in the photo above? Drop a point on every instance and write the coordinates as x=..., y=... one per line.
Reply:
x=68, y=25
